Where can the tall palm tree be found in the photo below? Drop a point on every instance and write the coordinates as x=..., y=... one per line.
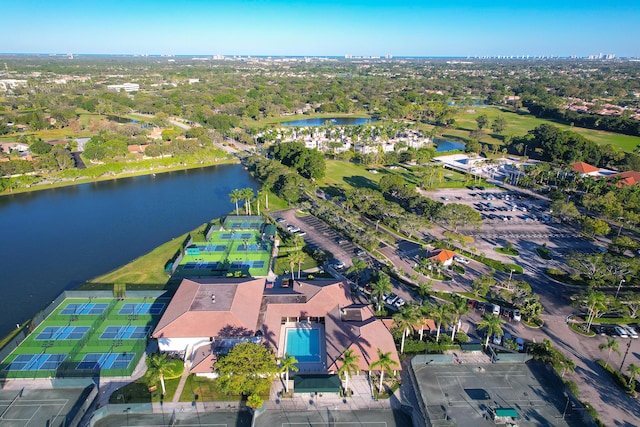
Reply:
x=298, y=241
x=633, y=371
x=247, y=195
x=384, y=362
x=441, y=314
x=287, y=363
x=235, y=196
x=357, y=267
x=424, y=313
x=458, y=307
x=424, y=289
x=381, y=287
x=492, y=323
x=349, y=363
x=596, y=302
x=158, y=367
x=610, y=345
x=297, y=257
x=404, y=320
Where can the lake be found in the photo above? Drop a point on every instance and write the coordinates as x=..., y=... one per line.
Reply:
x=53, y=240
x=335, y=121
x=444, y=145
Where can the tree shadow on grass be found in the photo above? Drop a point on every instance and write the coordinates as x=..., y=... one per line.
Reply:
x=360, y=182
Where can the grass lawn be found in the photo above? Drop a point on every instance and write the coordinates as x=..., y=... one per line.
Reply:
x=207, y=390
x=342, y=175
x=147, y=270
x=520, y=124
x=507, y=251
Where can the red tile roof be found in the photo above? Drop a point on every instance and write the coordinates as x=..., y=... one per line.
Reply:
x=582, y=167
x=627, y=178
x=212, y=307
x=442, y=255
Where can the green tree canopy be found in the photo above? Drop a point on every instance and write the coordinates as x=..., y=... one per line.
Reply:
x=247, y=369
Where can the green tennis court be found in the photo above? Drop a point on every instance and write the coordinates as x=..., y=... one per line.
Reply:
x=73, y=341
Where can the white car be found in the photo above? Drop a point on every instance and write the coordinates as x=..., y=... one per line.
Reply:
x=632, y=332
x=399, y=302
x=339, y=265
x=461, y=260
x=621, y=332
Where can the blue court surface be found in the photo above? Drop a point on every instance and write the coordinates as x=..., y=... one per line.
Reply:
x=94, y=361
x=212, y=248
x=243, y=265
x=245, y=225
x=252, y=248
x=36, y=362
x=201, y=265
x=62, y=333
x=86, y=309
x=125, y=332
x=142, y=308
x=235, y=236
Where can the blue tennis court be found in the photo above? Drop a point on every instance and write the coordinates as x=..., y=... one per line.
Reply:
x=94, y=361
x=201, y=265
x=245, y=225
x=84, y=309
x=242, y=265
x=142, y=308
x=235, y=236
x=213, y=248
x=252, y=247
x=125, y=332
x=36, y=362
x=62, y=333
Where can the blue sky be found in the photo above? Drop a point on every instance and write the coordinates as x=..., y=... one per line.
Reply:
x=278, y=27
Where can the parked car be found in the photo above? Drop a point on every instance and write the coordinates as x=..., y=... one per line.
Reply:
x=360, y=252
x=495, y=309
x=338, y=265
x=301, y=233
x=496, y=339
x=399, y=302
x=517, y=316
x=461, y=260
x=280, y=220
x=292, y=228
x=520, y=343
x=631, y=332
x=621, y=332
x=392, y=299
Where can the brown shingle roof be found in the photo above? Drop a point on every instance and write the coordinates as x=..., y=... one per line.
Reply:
x=212, y=307
x=627, y=178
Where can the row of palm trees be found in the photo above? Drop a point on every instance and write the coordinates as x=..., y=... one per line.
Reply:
x=348, y=366
x=246, y=194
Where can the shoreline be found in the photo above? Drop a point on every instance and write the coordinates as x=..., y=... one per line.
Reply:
x=40, y=187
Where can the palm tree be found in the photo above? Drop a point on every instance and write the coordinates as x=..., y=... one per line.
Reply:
x=349, y=363
x=492, y=323
x=357, y=267
x=287, y=363
x=404, y=320
x=158, y=366
x=610, y=345
x=568, y=365
x=424, y=313
x=381, y=287
x=596, y=302
x=441, y=314
x=247, y=195
x=235, y=196
x=633, y=370
x=298, y=241
x=297, y=257
x=384, y=362
x=458, y=307
x=424, y=289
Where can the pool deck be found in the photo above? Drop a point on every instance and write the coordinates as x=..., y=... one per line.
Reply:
x=306, y=367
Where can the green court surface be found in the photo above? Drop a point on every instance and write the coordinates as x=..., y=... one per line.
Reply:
x=236, y=249
x=55, y=408
x=87, y=337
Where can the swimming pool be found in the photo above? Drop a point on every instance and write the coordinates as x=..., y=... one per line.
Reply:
x=304, y=344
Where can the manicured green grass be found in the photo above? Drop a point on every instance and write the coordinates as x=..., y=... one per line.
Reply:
x=207, y=390
x=507, y=251
x=544, y=252
x=520, y=124
x=342, y=175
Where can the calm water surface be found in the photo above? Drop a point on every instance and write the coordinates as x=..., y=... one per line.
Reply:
x=444, y=145
x=54, y=240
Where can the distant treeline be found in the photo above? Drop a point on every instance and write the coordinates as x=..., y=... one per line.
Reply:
x=616, y=124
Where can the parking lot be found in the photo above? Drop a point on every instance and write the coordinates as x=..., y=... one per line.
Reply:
x=319, y=235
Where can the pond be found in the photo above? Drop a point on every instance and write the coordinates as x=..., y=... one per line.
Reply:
x=122, y=120
x=335, y=121
x=444, y=145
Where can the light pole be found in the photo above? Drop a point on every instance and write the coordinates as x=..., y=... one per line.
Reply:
x=619, y=285
x=510, y=276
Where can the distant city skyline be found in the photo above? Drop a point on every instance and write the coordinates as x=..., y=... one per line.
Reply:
x=465, y=28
